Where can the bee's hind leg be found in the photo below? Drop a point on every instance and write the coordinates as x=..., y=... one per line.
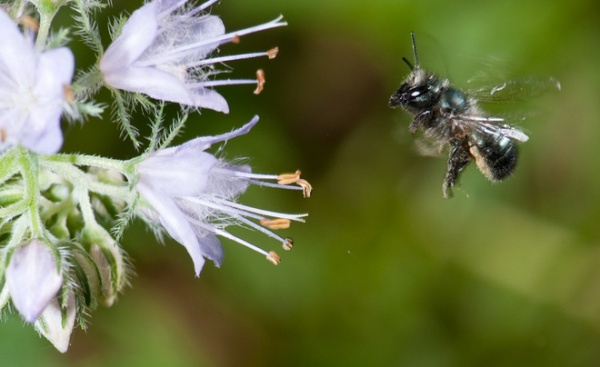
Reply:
x=458, y=160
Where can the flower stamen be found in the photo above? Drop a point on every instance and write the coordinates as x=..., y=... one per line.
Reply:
x=288, y=244
x=273, y=258
x=294, y=178
x=260, y=81
x=279, y=223
x=176, y=6
x=223, y=233
x=269, y=54
x=272, y=53
x=250, y=211
x=217, y=83
x=261, y=229
x=284, y=181
x=288, y=178
x=241, y=213
x=200, y=8
x=233, y=37
x=306, y=187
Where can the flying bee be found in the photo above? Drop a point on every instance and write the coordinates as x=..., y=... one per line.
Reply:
x=451, y=117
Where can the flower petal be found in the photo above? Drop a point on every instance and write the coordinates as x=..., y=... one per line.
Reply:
x=161, y=85
x=137, y=35
x=17, y=60
x=32, y=90
x=226, y=184
x=175, y=222
x=211, y=247
x=54, y=71
x=184, y=172
x=48, y=140
x=205, y=142
x=33, y=279
x=199, y=30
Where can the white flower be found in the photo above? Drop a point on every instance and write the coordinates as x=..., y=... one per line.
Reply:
x=163, y=52
x=192, y=194
x=32, y=90
x=32, y=279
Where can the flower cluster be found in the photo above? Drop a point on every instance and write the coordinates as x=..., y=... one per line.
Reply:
x=62, y=215
x=162, y=52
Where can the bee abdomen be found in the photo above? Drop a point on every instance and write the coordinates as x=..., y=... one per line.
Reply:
x=495, y=155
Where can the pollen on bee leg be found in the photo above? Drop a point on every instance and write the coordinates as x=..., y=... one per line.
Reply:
x=272, y=53
x=235, y=39
x=273, y=258
x=288, y=244
x=260, y=81
x=294, y=178
x=279, y=223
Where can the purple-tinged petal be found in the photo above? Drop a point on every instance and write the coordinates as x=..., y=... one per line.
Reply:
x=45, y=141
x=137, y=35
x=163, y=86
x=175, y=222
x=184, y=172
x=211, y=247
x=163, y=52
x=204, y=142
x=195, y=218
x=16, y=61
x=33, y=279
x=32, y=91
x=192, y=31
x=54, y=71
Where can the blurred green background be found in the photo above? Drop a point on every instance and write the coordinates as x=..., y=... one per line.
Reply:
x=385, y=272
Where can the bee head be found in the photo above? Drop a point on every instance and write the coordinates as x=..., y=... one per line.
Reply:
x=420, y=91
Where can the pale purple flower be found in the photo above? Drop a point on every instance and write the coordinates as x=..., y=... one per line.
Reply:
x=192, y=194
x=32, y=279
x=164, y=52
x=32, y=90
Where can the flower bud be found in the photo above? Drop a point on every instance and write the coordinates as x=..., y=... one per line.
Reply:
x=56, y=323
x=33, y=278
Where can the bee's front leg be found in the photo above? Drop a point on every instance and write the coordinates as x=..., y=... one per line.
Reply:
x=419, y=119
x=458, y=160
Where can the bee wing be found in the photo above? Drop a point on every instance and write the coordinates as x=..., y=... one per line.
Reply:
x=516, y=90
x=494, y=125
x=514, y=134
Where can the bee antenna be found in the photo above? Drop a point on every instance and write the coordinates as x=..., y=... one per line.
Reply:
x=408, y=63
x=414, y=45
